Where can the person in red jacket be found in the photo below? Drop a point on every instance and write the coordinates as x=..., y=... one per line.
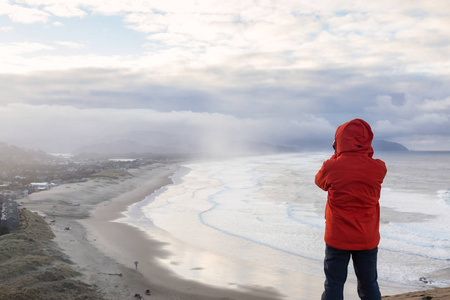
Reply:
x=353, y=181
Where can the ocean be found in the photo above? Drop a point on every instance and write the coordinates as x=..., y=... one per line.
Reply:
x=259, y=222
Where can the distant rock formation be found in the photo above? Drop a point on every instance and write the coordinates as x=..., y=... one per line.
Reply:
x=382, y=145
x=321, y=144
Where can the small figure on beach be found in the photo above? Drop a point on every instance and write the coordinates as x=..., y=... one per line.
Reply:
x=136, y=263
x=353, y=181
x=147, y=292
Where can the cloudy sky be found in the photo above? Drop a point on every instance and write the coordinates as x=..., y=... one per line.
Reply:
x=84, y=71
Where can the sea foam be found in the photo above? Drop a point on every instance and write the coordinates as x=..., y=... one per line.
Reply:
x=268, y=210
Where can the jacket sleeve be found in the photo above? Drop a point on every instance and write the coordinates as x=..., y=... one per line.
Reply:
x=320, y=179
x=321, y=176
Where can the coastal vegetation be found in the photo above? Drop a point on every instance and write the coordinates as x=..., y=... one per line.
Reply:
x=32, y=266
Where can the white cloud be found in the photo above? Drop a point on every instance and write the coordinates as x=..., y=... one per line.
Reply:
x=12, y=59
x=10, y=49
x=281, y=35
x=26, y=15
x=70, y=44
x=58, y=24
x=388, y=128
x=6, y=28
x=16, y=64
x=66, y=10
x=436, y=105
x=425, y=142
x=432, y=120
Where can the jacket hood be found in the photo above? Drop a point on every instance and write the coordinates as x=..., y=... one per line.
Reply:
x=354, y=136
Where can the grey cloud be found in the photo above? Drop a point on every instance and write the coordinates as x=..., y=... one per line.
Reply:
x=96, y=88
x=285, y=110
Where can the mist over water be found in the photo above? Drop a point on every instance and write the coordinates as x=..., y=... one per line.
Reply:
x=267, y=211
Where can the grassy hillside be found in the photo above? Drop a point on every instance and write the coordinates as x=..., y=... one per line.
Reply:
x=31, y=267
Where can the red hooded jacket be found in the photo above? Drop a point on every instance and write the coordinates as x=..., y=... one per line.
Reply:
x=353, y=180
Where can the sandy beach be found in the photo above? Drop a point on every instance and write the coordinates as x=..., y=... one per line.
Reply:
x=105, y=252
x=82, y=217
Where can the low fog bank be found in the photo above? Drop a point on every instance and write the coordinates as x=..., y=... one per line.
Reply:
x=65, y=129
x=207, y=144
x=215, y=147
x=161, y=146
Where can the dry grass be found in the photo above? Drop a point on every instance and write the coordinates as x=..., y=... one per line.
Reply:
x=436, y=294
x=31, y=267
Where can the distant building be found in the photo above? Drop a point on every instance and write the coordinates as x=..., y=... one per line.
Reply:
x=39, y=186
x=123, y=159
x=5, y=184
x=63, y=155
x=9, y=215
x=13, y=194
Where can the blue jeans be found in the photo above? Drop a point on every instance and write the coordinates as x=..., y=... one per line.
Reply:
x=365, y=265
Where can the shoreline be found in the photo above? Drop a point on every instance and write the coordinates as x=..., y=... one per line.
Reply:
x=89, y=236
x=103, y=231
x=92, y=240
